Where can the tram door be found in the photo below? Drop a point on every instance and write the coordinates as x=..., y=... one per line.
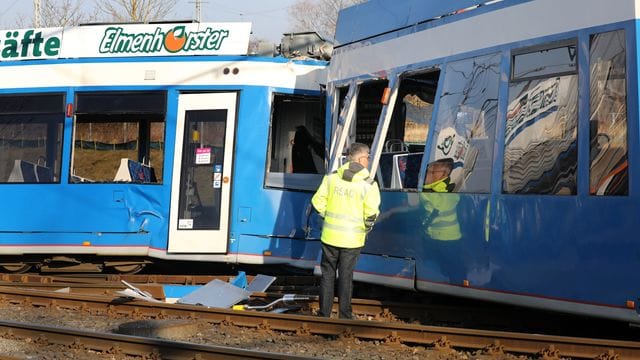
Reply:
x=200, y=194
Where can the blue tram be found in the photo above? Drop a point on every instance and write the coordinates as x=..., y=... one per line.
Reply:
x=532, y=108
x=121, y=144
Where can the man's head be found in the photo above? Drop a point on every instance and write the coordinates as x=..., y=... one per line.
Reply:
x=359, y=153
x=439, y=170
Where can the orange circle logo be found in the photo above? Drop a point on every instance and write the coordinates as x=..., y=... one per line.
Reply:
x=175, y=39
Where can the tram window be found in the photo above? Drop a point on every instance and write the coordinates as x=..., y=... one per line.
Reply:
x=545, y=61
x=368, y=109
x=465, y=126
x=540, y=155
x=404, y=144
x=608, y=117
x=341, y=96
x=363, y=126
x=296, y=141
x=341, y=103
x=119, y=137
x=31, y=128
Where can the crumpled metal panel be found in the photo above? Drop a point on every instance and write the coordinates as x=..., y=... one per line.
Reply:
x=216, y=293
x=260, y=283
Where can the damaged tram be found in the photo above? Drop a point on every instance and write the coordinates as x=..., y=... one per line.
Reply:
x=528, y=111
x=123, y=144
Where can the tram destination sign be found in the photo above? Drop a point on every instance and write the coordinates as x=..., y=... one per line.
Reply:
x=120, y=40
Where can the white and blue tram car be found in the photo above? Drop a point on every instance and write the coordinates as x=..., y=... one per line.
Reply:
x=534, y=104
x=121, y=144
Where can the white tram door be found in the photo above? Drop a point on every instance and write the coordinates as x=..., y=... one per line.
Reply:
x=200, y=194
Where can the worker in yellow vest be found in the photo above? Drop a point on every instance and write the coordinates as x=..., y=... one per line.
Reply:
x=441, y=220
x=348, y=200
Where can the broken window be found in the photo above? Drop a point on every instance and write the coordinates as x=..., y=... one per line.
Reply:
x=608, y=118
x=464, y=131
x=368, y=109
x=401, y=157
x=541, y=151
x=296, y=141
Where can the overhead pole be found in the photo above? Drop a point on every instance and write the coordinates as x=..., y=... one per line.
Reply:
x=36, y=13
x=198, y=9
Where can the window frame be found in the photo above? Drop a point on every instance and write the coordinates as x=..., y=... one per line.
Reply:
x=573, y=41
x=289, y=180
x=390, y=113
x=461, y=188
x=589, y=40
x=127, y=112
x=538, y=48
x=56, y=127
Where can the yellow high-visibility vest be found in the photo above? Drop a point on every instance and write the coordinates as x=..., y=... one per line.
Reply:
x=345, y=205
x=441, y=210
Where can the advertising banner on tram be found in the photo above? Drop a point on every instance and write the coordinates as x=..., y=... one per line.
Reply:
x=118, y=40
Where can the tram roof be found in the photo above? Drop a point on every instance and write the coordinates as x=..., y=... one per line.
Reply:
x=375, y=36
x=376, y=17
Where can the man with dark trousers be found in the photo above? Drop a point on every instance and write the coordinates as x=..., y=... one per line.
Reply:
x=348, y=200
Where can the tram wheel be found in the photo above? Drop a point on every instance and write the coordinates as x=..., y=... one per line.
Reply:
x=129, y=269
x=17, y=268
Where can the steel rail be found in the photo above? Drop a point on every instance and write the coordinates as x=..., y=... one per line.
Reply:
x=389, y=332
x=129, y=345
x=115, y=278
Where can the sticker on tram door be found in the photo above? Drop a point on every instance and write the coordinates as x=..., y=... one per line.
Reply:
x=216, y=184
x=185, y=224
x=203, y=156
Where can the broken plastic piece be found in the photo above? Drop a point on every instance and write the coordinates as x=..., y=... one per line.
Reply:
x=240, y=280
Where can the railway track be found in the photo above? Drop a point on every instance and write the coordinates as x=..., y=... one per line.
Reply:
x=406, y=307
x=442, y=338
x=124, y=345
